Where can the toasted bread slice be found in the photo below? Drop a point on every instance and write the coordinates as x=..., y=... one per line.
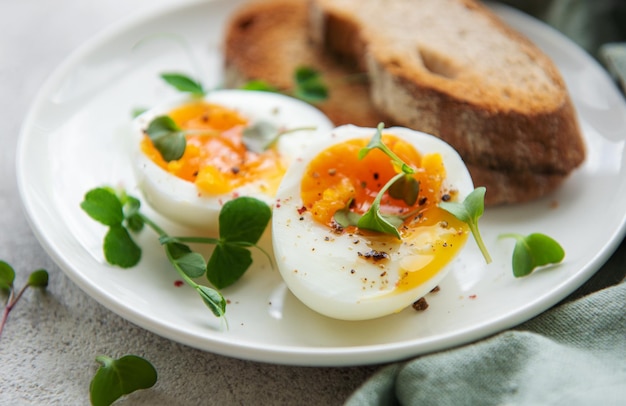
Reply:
x=452, y=68
x=268, y=41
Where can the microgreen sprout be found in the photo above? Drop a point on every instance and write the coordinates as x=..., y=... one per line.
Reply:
x=184, y=83
x=242, y=221
x=402, y=186
x=170, y=139
x=374, y=220
x=308, y=85
x=469, y=211
x=259, y=85
x=137, y=111
x=37, y=279
x=263, y=135
x=533, y=251
x=118, y=377
x=167, y=137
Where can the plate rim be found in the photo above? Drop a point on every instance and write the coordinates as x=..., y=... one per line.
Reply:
x=277, y=354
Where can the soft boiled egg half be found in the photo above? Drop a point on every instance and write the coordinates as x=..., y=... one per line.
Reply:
x=217, y=164
x=354, y=274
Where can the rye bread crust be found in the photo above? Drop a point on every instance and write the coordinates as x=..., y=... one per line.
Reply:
x=268, y=41
x=520, y=148
x=520, y=143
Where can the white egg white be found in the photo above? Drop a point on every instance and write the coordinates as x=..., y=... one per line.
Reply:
x=324, y=269
x=179, y=200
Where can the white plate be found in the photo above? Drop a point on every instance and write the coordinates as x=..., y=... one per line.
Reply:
x=74, y=140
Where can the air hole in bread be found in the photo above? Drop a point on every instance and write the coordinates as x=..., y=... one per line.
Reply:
x=395, y=63
x=246, y=23
x=438, y=64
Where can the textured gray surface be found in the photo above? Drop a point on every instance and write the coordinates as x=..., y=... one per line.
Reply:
x=48, y=348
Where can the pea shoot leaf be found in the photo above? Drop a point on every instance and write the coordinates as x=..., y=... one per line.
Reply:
x=131, y=206
x=168, y=138
x=469, y=211
x=7, y=276
x=406, y=189
x=118, y=377
x=262, y=135
x=346, y=217
x=227, y=264
x=136, y=112
x=309, y=85
x=213, y=300
x=38, y=279
x=184, y=259
x=533, y=251
x=376, y=142
x=259, y=85
x=258, y=136
x=184, y=83
x=120, y=249
x=373, y=220
x=243, y=220
x=102, y=205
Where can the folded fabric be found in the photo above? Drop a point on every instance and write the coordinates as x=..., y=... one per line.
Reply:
x=574, y=354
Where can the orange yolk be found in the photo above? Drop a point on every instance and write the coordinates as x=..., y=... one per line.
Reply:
x=337, y=175
x=218, y=161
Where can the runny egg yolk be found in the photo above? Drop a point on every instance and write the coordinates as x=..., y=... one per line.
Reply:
x=218, y=161
x=337, y=177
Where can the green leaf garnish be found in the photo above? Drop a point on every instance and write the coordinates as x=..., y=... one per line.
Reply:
x=213, y=300
x=168, y=138
x=469, y=211
x=118, y=377
x=184, y=83
x=120, y=249
x=259, y=85
x=185, y=260
x=405, y=187
x=346, y=217
x=533, y=251
x=373, y=219
x=259, y=136
x=376, y=142
x=7, y=276
x=137, y=111
x=263, y=135
x=230, y=257
x=242, y=222
x=309, y=85
x=37, y=279
x=102, y=205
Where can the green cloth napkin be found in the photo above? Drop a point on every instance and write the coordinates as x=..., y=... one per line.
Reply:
x=573, y=354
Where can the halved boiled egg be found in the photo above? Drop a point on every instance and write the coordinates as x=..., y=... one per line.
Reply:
x=217, y=164
x=345, y=272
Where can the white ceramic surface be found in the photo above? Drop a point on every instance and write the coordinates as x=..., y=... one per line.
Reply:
x=76, y=138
